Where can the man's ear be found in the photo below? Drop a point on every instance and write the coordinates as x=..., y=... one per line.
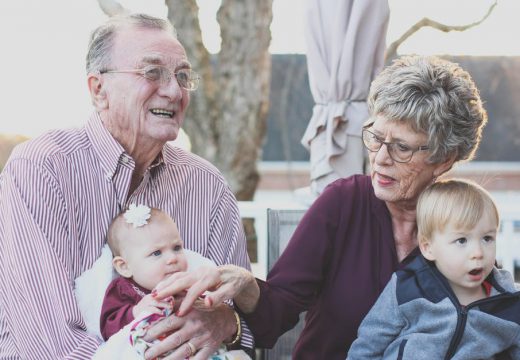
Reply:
x=97, y=91
x=426, y=249
x=121, y=267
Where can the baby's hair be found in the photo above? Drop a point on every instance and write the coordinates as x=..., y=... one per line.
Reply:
x=457, y=202
x=119, y=222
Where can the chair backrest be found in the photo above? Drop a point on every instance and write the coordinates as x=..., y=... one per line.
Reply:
x=280, y=228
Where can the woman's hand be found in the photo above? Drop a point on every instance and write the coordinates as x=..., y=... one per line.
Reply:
x=217, y=284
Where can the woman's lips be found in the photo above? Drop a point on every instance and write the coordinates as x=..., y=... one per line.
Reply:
x=384, y=180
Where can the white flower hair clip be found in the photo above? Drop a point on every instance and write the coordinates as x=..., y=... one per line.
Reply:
x=137, y=215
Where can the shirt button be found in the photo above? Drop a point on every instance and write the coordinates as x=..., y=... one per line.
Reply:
x=125, y=160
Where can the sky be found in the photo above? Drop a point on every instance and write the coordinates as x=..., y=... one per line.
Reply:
x=44, y=46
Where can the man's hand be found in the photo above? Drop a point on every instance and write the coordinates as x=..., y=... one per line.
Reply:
x=203, y=328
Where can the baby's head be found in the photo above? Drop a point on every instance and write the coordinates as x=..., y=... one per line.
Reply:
x=457, y=223
x=146, y=245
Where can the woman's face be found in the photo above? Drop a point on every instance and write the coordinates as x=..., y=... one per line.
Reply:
x=401, y=182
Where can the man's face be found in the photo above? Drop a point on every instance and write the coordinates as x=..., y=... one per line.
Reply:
x=140, y=110
x=153, y=252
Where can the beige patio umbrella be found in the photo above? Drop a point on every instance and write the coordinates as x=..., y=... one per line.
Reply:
x=345, y=50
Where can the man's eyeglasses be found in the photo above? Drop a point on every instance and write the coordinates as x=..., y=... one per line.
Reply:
x=186, y=78
x=399, y=152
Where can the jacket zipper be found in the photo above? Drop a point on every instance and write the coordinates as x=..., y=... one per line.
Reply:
x=462, y=315
x=462, y=312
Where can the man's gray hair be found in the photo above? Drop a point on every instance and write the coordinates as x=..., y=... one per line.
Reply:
x=102, y=38
x=435, y=97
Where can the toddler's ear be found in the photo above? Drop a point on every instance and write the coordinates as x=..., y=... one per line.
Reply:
x=121, y=267
x=425, y=247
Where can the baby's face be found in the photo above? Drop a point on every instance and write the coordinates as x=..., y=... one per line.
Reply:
x=465, y=257
x=154, y=252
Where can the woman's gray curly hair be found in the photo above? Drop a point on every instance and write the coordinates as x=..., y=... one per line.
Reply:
x=435, y=97
x=102, y=38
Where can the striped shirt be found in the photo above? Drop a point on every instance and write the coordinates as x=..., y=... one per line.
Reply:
x=58, y=194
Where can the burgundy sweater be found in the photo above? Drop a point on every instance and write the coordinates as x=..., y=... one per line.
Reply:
x=120, y=298
x=335, y=266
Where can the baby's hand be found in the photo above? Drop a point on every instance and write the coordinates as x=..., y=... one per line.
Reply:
x=150, y=305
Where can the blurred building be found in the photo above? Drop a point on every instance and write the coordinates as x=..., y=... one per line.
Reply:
x=496, y=165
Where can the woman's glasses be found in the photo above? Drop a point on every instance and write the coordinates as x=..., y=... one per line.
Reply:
x=399, y=152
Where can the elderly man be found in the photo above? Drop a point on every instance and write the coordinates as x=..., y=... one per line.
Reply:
x=59, y=192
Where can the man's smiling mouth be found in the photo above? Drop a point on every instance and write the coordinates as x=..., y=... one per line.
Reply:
x=162, y=113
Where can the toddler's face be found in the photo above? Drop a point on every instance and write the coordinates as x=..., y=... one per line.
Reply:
x=464, y=257
x=154, y=251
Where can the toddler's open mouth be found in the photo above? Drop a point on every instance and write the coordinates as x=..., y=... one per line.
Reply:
x=476, y=271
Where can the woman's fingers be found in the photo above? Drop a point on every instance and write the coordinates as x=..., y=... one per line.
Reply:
x=208, y=281
x=163, y=304
x=217, y=283
x=174, y=284
x=213, y=298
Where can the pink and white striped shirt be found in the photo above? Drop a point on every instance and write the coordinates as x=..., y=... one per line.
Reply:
x=58, y=194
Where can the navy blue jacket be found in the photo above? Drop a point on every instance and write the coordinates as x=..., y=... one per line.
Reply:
x=419, y=317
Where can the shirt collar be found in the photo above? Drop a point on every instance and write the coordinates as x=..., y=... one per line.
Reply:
x=159, y=160
x=108, y=150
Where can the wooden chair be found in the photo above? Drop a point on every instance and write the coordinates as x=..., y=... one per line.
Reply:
x=280, y=228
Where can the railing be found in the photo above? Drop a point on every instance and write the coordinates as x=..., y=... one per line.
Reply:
x=508, y=241
x=258, y=212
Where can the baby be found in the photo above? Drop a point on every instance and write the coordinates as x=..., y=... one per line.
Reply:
x=143, y=256
x=451, y=302
x=147, y=248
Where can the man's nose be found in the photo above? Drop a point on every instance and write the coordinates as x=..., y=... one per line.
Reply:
x=171, y=89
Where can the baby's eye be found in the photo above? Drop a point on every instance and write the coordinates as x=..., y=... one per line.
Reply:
x=461, y=241
x=488, y=238
x=156, y=253
x=177, y=248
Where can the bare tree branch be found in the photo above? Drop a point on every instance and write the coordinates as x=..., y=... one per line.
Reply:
x=203, y=111
x=112, y=7
x=243, y=79
x=391, y=51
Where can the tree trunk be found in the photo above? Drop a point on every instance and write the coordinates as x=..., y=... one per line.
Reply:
x=227, y=117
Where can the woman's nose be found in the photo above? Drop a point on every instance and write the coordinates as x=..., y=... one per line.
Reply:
x=382, y=156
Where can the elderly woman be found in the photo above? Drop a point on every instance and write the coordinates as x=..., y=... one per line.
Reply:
x=426, y=114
